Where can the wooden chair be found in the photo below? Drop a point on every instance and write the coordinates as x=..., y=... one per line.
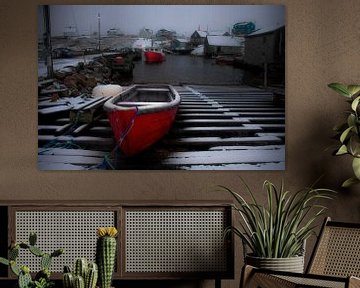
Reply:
x=334, y=263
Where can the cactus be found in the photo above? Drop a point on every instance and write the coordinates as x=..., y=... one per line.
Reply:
x=68, y=280
x=13, y=253
x=32, y=238
x=91, y=276
x=24, y=277
x=88, y=273
x=42, y=278
x=36, y=251
x=79, y=282
x=105, y=254
x=80, y=267
x=45, y=261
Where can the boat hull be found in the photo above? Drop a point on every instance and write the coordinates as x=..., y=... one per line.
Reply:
x=141, y=116
x=154, y=57
x=154, y=125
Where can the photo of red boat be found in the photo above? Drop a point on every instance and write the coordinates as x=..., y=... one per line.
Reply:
x=154, y=55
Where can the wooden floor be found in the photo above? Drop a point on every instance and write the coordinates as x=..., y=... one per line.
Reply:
x=216, y=128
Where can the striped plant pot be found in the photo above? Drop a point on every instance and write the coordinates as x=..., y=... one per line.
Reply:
x=291, y=264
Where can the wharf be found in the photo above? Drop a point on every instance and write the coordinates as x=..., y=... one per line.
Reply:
x=216, y=128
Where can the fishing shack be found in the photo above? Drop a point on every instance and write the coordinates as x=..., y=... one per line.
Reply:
x=181, y=46
x=265, y=46
x=198, y=38
x=223, y=45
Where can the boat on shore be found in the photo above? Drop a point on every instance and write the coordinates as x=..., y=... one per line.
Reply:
x=154, y=55
x=141, y=115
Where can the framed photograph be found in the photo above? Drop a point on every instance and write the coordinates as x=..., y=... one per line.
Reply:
x=161, y=87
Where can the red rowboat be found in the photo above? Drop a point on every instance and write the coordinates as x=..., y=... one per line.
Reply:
x=154, y=55
x=142, y=115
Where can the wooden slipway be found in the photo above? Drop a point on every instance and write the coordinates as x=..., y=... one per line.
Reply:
x=216, y=128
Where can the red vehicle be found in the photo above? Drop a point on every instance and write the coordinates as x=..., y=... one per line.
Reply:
x=154, y=55
x=142, y=115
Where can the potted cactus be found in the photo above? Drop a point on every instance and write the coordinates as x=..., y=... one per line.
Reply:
x=106, y=254
x=84, y=275
x=42, y=278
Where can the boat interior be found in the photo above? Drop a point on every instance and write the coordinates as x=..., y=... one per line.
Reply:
x=146, y=96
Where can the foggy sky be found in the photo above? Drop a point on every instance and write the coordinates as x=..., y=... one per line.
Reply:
x=184, y=19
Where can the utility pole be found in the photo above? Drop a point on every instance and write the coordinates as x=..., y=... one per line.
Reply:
x=99, y=31
x=47, y=42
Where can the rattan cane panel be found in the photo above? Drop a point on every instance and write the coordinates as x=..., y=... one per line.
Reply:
x=74, y=231
x=175, y=241
x=338, y=253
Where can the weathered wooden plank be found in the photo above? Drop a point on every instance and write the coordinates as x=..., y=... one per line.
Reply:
x=276, y=134
x=59, y=166
x=101, y=130
x=213, y=122
x=42, y=128
x=261, y=120
x=216, y=141
x=239, y=147
x=240, y=108
x=225, y=157
x=216, y=130
x=254, y=114
x=81, y=140
x=86, y=103
x=227, y=115
x=245, y=105
x=77, y=160
x=273, y=166
x=204, y=110
x=267, y=127
x=71, y=152
x=56, y=109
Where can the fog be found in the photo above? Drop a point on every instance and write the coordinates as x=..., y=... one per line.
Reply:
x=184, y=19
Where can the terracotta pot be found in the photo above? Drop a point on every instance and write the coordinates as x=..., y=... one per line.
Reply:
x=291, y=264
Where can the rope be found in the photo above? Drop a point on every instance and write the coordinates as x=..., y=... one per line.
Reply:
x=107, y=162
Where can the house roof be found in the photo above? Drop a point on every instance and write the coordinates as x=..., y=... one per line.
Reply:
x=182, y=40
x=265, y=30
x=229, y=41
x=202, y=34
x=217, y=33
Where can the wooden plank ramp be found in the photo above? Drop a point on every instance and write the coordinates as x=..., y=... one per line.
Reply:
x=216, y=128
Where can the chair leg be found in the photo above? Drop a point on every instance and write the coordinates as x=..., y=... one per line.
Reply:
x=246, y=274
x=250, y=278
x=354, y=282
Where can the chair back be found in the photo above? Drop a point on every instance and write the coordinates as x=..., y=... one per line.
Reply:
x=337, y=251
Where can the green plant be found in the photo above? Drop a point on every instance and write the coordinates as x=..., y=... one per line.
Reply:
x=105, y=254
x=349, y=132
x=279, y=229
x=42, y=278
x=85, y=275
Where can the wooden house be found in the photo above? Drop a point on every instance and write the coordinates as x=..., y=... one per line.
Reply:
x=265, y=46
x=223, y=45
x=198, y=38
x=181, y=46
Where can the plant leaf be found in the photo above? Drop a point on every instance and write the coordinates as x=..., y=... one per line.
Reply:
x=355, y=103
x=356, y=167
x=349, y=182
x=342, y=150
x=340, y=88
x=345, y=134
x=353, y=89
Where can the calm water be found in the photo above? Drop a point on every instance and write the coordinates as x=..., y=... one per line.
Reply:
x=177, y=69
x=187, y=69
